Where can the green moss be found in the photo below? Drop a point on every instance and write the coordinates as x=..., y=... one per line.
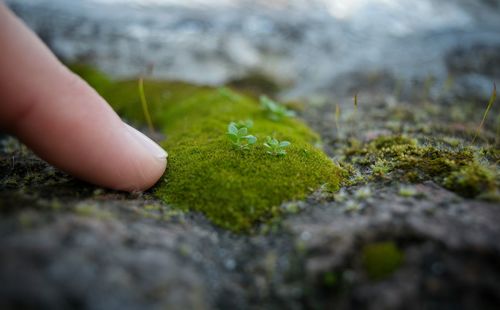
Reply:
x=381, y=259
x=234, y=188
x=460, y=169
x=472, y=180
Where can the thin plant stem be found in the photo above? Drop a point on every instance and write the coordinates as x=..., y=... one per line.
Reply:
x=490, y=104
x=144, y=105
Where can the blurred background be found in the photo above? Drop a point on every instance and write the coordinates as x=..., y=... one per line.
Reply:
x=305, y=47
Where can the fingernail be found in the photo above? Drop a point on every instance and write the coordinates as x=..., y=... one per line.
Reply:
x=149, y=144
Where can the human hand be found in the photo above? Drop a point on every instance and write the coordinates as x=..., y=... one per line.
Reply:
x=64, y=121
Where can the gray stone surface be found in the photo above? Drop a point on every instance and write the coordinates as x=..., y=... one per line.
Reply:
x=107, y=250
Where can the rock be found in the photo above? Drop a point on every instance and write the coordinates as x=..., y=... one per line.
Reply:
x=66, y=244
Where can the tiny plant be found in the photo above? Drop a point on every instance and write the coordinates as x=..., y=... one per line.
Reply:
x=488, y=107
x=275, y=147
x=337, y=118
x=228, y=93
x=274, y=110
x=144, y=105
x=248, y=123
x=238, y=134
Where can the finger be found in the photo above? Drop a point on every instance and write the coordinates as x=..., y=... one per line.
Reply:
x=64, y=120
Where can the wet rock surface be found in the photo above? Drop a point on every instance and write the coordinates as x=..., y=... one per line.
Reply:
x=66, y=244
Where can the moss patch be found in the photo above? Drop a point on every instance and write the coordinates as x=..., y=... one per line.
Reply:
x=461, y=169
x=381, y=259
x=234, y=188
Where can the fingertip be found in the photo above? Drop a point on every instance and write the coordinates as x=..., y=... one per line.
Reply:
x=146, y=165
x=152, y=147
x=63, y=120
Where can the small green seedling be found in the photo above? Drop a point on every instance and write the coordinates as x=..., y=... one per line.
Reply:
x=488, y=107
x=144, y=104
x=238, y=134
x=228, y=93
x=274, y=110
x=248, y=123
x=276, y=147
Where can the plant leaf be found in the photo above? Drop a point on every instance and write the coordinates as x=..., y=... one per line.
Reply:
x=268, y=104
x=284, y=143
x=242, y=131
x=232, y=137
x=231, y=128
x=251, y=139
x=246, y=123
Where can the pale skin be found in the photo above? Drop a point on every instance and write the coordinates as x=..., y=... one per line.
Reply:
x=64, y=121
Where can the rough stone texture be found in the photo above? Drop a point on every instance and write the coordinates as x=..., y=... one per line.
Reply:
x=448, y=245
x=119, y=255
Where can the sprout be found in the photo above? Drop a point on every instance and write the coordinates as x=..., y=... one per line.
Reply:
x=275, y=111
x=238, y=135
x=275, y=147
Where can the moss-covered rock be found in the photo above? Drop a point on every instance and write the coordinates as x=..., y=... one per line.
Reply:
x=235, y=188
x=461, y=169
